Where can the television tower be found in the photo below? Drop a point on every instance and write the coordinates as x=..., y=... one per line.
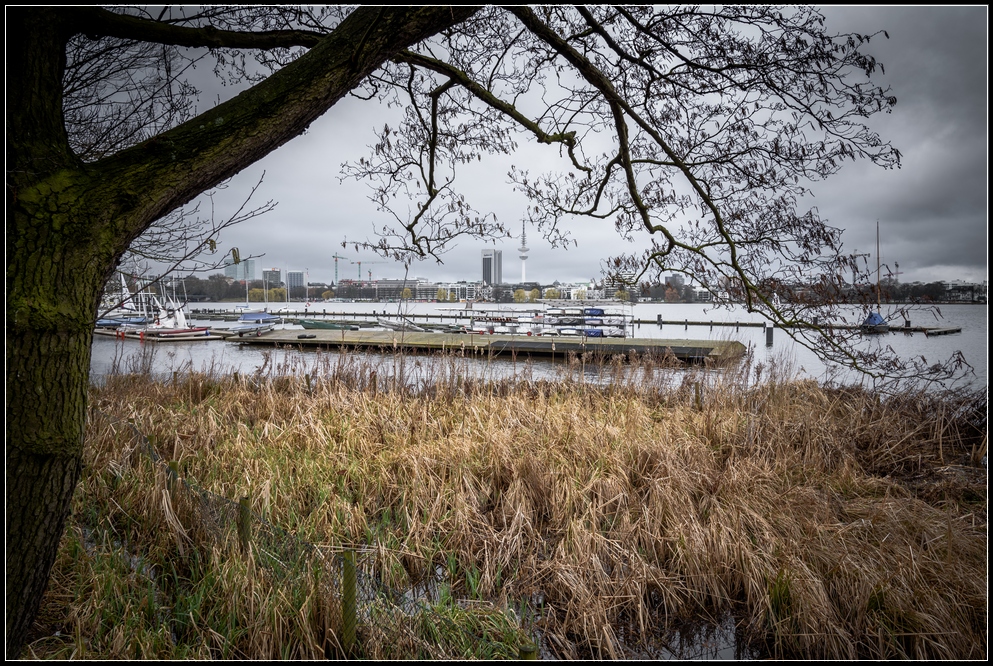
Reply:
x=523, y=249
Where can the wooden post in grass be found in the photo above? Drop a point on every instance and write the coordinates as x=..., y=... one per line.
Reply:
x=245, y=524
x=527, y=651
x=172, y=476
x=348, y=609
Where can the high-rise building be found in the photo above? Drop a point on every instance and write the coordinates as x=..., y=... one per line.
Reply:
x=272, y=277
x=241, y=271
x=294, y=279
x=493, y=266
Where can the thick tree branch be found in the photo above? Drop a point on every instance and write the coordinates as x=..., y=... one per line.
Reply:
x=174, y=167
x=95, y=22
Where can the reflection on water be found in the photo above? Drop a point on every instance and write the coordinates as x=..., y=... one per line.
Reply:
x=719, y=640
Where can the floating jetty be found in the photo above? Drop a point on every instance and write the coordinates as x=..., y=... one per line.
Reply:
x=686, y=323
x=151, y=336
x=941, y=331
x=369, y=319
x=712, y=351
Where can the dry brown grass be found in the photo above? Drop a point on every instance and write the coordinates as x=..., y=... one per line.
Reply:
x=830, y=523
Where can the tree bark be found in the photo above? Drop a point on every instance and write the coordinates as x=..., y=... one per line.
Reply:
x=39, y=495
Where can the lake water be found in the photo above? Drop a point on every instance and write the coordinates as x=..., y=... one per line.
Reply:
x=226, y=357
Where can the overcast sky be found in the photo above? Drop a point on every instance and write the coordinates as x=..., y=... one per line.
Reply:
x=932, y=212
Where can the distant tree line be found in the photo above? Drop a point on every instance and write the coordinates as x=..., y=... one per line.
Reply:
x=889, y=292
x=669, y=292
x=933, y=292
x=218, y=288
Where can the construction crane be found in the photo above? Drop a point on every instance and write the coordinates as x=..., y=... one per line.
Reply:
x=336, y=257
x=374, y=262
x=855, y=258
x=366, y=262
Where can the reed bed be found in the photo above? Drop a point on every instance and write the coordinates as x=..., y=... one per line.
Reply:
x=595, y=515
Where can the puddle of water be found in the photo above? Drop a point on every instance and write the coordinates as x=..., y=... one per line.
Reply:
x=711, y=642
x=716, y=641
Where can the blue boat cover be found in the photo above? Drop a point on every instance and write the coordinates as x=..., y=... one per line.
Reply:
x=874, y=319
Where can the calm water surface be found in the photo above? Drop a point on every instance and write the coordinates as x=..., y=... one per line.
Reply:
x=226, y=357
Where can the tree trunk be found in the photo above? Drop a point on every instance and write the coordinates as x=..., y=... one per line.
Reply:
x=52, y=291
x=54, y=280
x=39, y=494
x=47, y=378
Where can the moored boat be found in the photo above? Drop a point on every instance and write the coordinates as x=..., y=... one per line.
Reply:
x=327, y=325
x=587, y=322
x=255, y=322
x=146, y=318
x=401, y=325
x=117, y=322
x=175, y=335
x=259, y=317
x=875, y=323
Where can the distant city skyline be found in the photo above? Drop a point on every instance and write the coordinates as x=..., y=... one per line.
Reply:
x=300, y=278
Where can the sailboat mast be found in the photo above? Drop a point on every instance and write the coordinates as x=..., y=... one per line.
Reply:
x=879, y=300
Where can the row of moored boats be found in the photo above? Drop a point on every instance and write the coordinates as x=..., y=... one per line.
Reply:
x=589, y=322
x=147, y=316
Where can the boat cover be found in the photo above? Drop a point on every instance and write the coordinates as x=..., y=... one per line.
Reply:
x=874, y=319
x=258, y=317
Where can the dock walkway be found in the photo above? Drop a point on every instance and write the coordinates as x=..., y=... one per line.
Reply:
x=685, y=350
x=366, y=320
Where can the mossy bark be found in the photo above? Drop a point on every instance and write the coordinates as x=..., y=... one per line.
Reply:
x=69, y=223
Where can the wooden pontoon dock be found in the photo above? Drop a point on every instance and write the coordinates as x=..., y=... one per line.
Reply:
x=713, y=351
x=369, y=319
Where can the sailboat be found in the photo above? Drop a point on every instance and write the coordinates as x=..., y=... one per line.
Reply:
x=125, y=312
x=157, y=320
x=875, y=323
